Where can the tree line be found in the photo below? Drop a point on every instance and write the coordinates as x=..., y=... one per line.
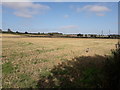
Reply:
x=64, y=35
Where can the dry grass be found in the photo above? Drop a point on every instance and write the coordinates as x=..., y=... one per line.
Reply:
x=31, y=57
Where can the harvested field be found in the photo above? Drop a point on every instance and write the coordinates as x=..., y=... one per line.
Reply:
x=24, y=60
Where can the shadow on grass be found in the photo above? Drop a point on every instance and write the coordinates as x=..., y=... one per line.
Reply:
x=83, y=72
x=112, y=70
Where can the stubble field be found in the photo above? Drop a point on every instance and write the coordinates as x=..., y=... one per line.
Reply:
x=25, y=60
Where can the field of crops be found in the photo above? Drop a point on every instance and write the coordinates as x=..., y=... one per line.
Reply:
x=25, y=60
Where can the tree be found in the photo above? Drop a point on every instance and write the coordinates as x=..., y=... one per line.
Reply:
x=51, y=34
x=17, y=32
x=38, y=32
x=0, y=30
x=9, y=30
x=86, y=35
x=26, y=32
x=81, y=35
x=93, y=35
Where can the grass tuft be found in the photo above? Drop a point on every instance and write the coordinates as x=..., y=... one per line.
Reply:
x=7, y=68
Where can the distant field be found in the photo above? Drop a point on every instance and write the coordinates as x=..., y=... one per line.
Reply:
x=24, y=60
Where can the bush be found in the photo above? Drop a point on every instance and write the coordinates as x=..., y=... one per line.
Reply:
x=112, y=70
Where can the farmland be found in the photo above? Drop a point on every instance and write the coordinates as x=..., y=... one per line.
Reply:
x=25, y=60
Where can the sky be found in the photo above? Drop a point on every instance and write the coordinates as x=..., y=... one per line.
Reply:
x=64, y=17
x=60, y=0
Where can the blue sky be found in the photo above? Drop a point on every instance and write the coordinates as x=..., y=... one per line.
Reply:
x=65, y=17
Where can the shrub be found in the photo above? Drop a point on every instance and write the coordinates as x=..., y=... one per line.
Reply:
x=112, y=70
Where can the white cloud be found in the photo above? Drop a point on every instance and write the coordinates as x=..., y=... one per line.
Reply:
x=70, y=27
x=99, y=10
x=94, y=8
x=20, y=14
x=100, y=14
x=66, y=16
x=26, y=9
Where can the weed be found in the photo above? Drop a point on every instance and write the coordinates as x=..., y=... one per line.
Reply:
x=40, y=51
x=7, y=68
x=47, y=50
x=45, y=73
x=24, y=77
x=36, y=61
x=2, y=56
x=25, y=43
x=44, y=60
x=26, y=81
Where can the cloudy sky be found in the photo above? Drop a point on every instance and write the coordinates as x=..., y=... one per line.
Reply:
x=65, y=17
